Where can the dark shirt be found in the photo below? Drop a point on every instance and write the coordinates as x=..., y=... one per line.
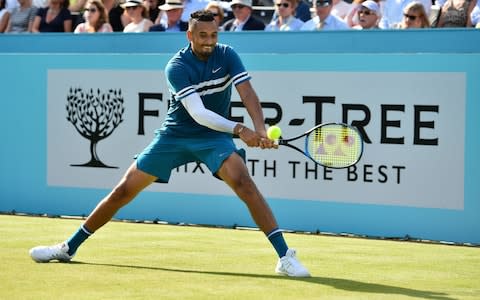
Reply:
x=252, y=24
x=115, y=18
x=55, y=25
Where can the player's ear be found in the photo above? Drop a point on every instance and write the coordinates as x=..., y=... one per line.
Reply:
x=189, y=35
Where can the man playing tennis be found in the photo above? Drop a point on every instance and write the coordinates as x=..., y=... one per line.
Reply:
x=196, y=128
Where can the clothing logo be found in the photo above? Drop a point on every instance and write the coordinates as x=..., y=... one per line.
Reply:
x=216, y=70
x=95, y=115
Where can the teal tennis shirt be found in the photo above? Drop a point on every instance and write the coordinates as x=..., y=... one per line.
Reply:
x=211, y=79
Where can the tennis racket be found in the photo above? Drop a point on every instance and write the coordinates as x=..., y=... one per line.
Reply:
x=333, y=145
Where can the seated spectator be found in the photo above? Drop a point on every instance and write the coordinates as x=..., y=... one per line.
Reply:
x=96, y=19
x=414, y=16
x=392, y=11
x=285, y=21
x=368, y=15
x=173, y=9
x=217, y=12
x=53, y=18
x=117, y=16
x=153, y=10
x=243, y=18
x=138, y=13
x=4, y=16
x=302, y=12
x=21, y=19
x=456, y=13
x=324, y=20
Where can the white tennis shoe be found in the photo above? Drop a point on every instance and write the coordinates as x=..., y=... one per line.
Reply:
x=43, y=254
x=290, y=266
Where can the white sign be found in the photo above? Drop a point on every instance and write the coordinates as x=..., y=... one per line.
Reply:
x=413, y=124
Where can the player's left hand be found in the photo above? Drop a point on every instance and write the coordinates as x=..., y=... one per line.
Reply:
x=266, y=143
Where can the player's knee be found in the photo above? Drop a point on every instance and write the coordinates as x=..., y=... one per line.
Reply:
x=242, y=182
x=121, y=195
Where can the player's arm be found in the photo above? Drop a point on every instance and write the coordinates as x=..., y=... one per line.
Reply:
x=195, y=108
x=252, y=104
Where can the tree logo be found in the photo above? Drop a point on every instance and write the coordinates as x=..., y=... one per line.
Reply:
x=95, y=115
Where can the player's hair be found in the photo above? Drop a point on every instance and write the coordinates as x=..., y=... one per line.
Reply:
x=200, y=16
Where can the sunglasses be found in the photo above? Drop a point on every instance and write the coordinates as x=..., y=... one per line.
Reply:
x=410, y=17
x=214, y=14
x=285, y=5
x=238, y=6
x=366, y=12
x=92, y=10
x=323, y=3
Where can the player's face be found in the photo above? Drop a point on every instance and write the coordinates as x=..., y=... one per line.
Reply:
x=203, y=38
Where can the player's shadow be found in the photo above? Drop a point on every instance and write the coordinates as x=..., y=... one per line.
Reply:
x=338, y=283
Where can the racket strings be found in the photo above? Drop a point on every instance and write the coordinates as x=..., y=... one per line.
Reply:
x=334, y=145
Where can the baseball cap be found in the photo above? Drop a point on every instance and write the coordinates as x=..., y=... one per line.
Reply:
x=371, y=5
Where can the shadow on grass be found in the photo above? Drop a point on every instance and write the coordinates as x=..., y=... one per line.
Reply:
x=338, y=283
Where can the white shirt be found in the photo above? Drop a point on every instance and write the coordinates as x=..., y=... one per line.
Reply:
x=330, y=23
x=292, y=24
x=393, y=11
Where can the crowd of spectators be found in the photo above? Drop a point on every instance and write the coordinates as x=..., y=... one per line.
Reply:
x=96, y=16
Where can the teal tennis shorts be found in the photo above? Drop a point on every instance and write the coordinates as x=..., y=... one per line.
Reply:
x=166, y=153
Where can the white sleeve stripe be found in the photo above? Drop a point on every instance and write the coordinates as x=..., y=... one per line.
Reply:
x=186, y=91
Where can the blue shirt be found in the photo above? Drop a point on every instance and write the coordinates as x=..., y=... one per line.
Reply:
x=211, y=79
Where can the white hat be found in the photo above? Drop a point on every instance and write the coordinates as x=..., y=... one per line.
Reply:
x=371, y=5
x=131, y=3
x=171, y=4
x=241, y=2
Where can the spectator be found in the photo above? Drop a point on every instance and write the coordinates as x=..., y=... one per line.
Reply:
x=392, y=12
x=243, y=18
x=4, y=16
x=117, y=16
x=173, y=9
x=302, y=12
x=217, y=11
x=324, y=20
x=341, y=8
x=475, y=16
x=153, y=10
x=96, y=19
x=21, y=19
x=456, y=13
x=285, y=21
x=53, y=18
x=414, y=16
x=138, y=13
x=368, y=15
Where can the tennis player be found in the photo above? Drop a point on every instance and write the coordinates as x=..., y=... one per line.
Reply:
x=196, y=128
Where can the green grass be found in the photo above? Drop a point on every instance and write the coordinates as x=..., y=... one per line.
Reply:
x=147, y=261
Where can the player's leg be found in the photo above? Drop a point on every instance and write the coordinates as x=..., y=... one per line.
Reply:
x=129, y=186
x=235, y=173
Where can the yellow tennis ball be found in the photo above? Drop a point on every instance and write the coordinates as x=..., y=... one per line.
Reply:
x=274, y=132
